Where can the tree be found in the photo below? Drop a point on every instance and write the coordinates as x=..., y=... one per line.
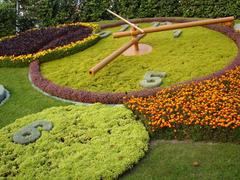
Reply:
x=7, y=18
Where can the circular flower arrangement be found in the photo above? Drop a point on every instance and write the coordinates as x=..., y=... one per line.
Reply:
x=86, y=142
x=75, y=95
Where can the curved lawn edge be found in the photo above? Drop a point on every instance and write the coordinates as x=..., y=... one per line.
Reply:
x=118, y=98
x=64, y=100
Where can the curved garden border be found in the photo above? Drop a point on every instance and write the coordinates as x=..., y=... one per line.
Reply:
x=52, y=53
x=52, y=89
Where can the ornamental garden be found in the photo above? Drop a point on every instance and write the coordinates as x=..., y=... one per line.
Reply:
x=59, y=121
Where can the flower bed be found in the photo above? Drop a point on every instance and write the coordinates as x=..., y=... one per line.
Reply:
x=78, y=146
x=116, y=98
x=200, y=110
x=47, y=43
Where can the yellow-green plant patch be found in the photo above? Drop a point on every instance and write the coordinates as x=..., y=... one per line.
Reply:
x=86, y=142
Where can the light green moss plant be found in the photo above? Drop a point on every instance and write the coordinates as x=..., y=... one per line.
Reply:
x=86, y=142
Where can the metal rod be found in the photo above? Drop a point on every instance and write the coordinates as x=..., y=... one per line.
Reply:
x=175, y=26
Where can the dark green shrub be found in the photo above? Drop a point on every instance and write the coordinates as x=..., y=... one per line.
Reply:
x=156, y=8
x=25, y=22
x=48, y=13
x=92, y=10
x=210, y=8
x=7, y=19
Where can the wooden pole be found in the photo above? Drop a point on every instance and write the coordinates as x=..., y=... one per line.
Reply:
x=115, y=54
x=175, y=26
x=126, y=21
x=134, y=37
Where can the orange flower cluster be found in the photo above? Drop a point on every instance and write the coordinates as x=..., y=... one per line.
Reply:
x=214, y=103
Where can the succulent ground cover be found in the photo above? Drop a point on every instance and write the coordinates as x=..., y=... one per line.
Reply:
x=80, y=144
x=203, y=110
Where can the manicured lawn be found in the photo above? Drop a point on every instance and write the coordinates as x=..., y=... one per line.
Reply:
x=191, y=55
x=24, y=99
x=174, y=160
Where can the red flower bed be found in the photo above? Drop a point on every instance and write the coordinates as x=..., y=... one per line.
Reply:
x=33, y=41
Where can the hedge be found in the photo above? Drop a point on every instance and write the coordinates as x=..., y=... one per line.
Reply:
x=7, y=19
x=210, y=8
x=49, y=13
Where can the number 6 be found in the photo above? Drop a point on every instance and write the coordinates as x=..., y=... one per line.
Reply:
x=30, y=133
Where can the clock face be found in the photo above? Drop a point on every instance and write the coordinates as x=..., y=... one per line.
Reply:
x=183, y=55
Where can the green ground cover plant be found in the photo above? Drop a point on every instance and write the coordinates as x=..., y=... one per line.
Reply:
x=80, y=144
x=184, y=58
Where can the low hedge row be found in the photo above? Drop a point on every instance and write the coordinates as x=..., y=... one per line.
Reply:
x=47, y=44
x=117, y=98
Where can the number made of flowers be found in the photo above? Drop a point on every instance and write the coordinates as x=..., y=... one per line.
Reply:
x=152, y=79
x=105, y=34
x=30, y=133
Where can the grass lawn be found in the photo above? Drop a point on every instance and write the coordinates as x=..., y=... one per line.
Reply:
x=24, y=99
x=174, y=160
x=191, y=55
